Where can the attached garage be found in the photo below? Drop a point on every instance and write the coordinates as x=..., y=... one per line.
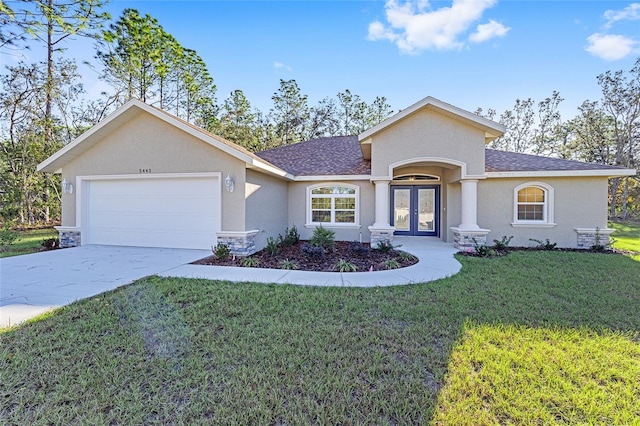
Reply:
x=180, y=211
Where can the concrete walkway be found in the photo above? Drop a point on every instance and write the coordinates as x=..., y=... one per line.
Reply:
x=34, y=283
x=436, y=261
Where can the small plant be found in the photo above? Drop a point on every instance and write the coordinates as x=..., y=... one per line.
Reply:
x=358, y=247
x=385, y=246
x=50, y=243
x=391, y=264
x=544, y=245
x=273, y=246
x=482, y=250
x=323, y=237
x=250, y=262
x=345, y=266
x=221, y=251
x=289, y=264
x=311, y=251
x=291, y=236
x=502, y=244
x=598, y=246
x=8, y=237
x=405, y=257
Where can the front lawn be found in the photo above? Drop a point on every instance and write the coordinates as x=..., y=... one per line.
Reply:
x=627, y=237
x=532, y=337
x=29, y=242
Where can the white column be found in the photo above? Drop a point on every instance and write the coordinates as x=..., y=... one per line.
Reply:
x=469, y=204
x=382, y=204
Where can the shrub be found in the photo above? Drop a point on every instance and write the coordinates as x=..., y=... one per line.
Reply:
x=8, y=237
x=323, y=237
x=289, y=264
x=502, y=244
x=405, y=257
x=273, y=246
x=391, y=264
x=385, y=246
x=345, y=266
x=291, y=236
x=251, y=262
x=544, y=245
x=598, y=246
x=50, y=243
x=221, y=251
x=358, y=247
x=311, y=251
x=482, y=250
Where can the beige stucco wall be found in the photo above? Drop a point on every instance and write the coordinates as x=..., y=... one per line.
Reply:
x=580, y=202
x=428, y=134
x=298, y=211
x=266, y=206
x=149, y=143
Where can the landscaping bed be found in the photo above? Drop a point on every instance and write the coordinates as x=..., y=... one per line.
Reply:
x=343, y=257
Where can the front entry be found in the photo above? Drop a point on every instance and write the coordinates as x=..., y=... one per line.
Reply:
x=415, y=209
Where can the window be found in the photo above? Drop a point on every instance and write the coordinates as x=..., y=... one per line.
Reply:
x=333, y=205
x=533, y=205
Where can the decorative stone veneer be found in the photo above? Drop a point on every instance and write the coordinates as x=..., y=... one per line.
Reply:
x=463, y=239
x=589, y=237
x=239, y=243
x=69, y=237
x=381, y=235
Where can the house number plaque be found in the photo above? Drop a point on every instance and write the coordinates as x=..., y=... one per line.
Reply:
x=144, y=170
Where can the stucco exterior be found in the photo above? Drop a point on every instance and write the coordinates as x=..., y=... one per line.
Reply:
x=428, y=134
x=266, y=200
x=578, y=203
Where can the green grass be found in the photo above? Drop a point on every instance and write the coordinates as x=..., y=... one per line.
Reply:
x=532, y=337
x=29, y=242
x=627, y=237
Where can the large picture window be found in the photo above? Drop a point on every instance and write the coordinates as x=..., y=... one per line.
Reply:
x=333, y=204
x=533, y=204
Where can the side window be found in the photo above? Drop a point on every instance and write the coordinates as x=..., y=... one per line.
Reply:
x=533, y=205
x=332, y=204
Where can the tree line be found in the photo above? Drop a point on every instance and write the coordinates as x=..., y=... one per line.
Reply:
x=43, y=105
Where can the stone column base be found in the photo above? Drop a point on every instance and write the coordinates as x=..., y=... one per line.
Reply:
x=590, y=237
x=383, y=234
x=463, y=239
x=241, y=243
x=69, y=236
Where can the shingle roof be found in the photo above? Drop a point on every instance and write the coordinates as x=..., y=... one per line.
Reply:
x=338, y=155
x=341, y=155
x=503, y=161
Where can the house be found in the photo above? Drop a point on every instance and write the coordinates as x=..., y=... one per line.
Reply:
x=143, y=177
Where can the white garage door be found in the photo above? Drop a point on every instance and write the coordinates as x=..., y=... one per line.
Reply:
x=154, y=212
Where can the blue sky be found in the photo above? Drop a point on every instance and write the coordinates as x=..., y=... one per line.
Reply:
x=470, y=53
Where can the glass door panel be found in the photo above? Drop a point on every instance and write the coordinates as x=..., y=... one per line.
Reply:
x=402, y=209
x=426, y=210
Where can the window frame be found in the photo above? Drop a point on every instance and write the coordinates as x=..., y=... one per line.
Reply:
x=548, y=206
x=309, y=208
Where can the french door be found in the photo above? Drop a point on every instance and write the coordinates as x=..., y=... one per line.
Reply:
x=415, y=209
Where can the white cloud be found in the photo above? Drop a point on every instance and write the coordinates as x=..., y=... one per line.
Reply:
x=610, y=47
x=629, y=13
x=488, y=31
x=414, y=26
x=280, y=66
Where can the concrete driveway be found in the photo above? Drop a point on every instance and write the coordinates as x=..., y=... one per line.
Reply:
x=34, y=283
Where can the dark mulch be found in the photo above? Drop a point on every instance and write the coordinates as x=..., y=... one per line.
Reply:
x=359, y=254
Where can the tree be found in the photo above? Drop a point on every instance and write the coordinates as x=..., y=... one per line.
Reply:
x=519, y=123
x=621, y=101
x=238, y=123
x=290, y=113
x=547, y=135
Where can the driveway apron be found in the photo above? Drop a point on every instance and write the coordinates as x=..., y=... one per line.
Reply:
x=34, y=283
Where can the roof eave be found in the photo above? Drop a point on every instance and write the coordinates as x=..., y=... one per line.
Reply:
x=609, y=173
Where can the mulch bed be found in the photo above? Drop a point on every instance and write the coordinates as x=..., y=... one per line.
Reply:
x=361, y=255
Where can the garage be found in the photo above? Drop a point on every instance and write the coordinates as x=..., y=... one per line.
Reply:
x=179, y=211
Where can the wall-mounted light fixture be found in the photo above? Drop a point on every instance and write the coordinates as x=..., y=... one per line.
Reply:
x=228, y=183
x=67, y=187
